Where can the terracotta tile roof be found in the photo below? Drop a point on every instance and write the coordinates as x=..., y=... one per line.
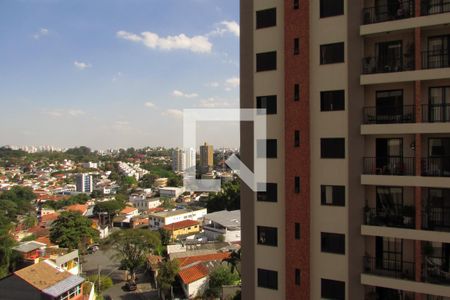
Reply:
x=49, y=217
x=128, y=210
x=185, y=261
x=82, y=208
x=42, y=275
x=194, y=273
x=181, y=224
x=45, y=240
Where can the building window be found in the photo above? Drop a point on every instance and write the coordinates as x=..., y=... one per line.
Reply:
x=332, y=289
x=268, y=279
x=332, y=243
x=297, y=231
x=266, y=148
x=332, y=100
x=296, y=4
x=332, y=195
x=297, y=138
x=296, y=46
x=269, y=103
x=331, y=53
x=296, y=92
x=266, y=18
x=332, y=148
x=267, y=236
x=330, y=8
x=270, y=195
x=297, y=276
x=297, y=184
x=266, y=61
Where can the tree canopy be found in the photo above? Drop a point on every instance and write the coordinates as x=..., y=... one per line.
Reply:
x=221, y=276
x=229, y=198
x=166, y=276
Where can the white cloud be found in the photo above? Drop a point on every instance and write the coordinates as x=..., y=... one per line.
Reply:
x=59, y=113
x=81, y=65
x=42, y=32
x=178, y=93
x=149, y=104
x=215, y=103
x=213, y=84
x=117, y=76
x=226, y=27
x=174, y=113
x=197, y=44
x=232, y=83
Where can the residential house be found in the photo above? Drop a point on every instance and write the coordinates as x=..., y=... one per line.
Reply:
x=223, y=223
x=182, y=228
x=160, y=219
x=170, y=192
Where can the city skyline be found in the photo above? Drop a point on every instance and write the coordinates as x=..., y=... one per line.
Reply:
x=116, y=74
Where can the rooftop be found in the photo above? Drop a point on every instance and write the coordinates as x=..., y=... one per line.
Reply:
x=226, y=218
x=186, y=261
x=29, y=246
x=82, y=208
x=181, y=224
x=42, y=275
x=193, y=273
x=128, y=210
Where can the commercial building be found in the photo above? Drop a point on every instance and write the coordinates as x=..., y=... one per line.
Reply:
x=206, y=158
x=357, y=96
x=84, y=183
x=170, y=192
x=160, y=219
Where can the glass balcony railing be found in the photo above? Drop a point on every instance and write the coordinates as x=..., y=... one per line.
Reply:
x=393, y=10
x=402, y=217
x=388, y=267
x=382, y=64
x=389, y=114
x=389, y=166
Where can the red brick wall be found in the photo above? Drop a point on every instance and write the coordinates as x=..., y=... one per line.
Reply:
x=297, y=160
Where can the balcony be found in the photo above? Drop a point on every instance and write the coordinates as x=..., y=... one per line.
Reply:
x=402, y=217
x=389, y=268
x=436, y=270
x=435, y=59
x=436, y=113
x=389, y=12
x=399, y=166
x=436, y=219
x=382, y=64
x=434, y=7
x=438, y=166
x=389, y=114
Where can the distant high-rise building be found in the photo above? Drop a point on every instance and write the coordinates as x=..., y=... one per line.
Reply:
x=183, y=159
x=206, y=158
x=191, y=156
x=84, y=183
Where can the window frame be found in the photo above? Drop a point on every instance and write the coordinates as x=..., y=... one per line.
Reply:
x=259, y=16
x=331, y=242
x=335, y=58
x=270, y=236
x=336, y=191
x=264, y=61
x=331, y=99
x=335, y=143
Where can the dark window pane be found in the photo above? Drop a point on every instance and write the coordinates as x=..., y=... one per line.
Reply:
x=266, y=148
x=268, y=279
x=267, y=236
x=332, y=100
x=297, y=138
x=296, y=4
x=332, y=289
x=332, y=148
x=296, y=46
x=333, y=243
x=266, y=61
x=332, y=195
x=267, y=102
x=266, y=18
x=329, y=8
x=297, y=276
x=297, y=231
x=297, y=184
x=332, y=53
x=270, y=195
x=296, y=92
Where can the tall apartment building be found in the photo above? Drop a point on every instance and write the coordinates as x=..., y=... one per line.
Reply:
x=206, y=158
x=84, y=183
x=183, y=159
x=357, y=95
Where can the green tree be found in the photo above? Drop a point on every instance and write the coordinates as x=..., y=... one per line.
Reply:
x=234, y=261
x=133, y=246
x=165, y=236
x=72, y=230
x=101, y=283
x=111, y=207
x=7, y=258
x=97, y=194
x=175, y=180
x=228, y=198
x=147, y=181
x=166, y=276
x=221, y=276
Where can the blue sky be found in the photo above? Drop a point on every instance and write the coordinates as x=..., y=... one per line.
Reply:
x=115, y=73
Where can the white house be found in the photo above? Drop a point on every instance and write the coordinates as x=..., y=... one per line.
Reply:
x=170, y=192
x=160, y=219
x=194, y=280
x=223, y=223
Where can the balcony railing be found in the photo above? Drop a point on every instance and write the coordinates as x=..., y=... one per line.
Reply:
x=402, y=217
x=432, y=7
x=436, y=59
x=389, y=268
x=389, y=166
x=381, y=64
x=436, y=219
x=436, y=113
x=436, y=166
x=389, y=114
x=433, y=270
x=395, y=10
